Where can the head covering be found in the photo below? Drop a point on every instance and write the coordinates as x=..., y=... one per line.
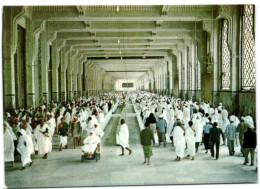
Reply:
x=8, y=114
x=250, y=122
x=92, y=132
x=161, y=116
x=232, y=118
x=22, y=131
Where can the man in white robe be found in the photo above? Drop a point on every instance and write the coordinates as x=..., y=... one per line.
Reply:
x=90, y=144
x=8, y=146
x=190, y=139
x=198, y=126
x=24, y=148
x=43, y=139
x=68, y=117
x=123, y=137
x=178, y=113
x=101, y=118
x=52, y=124
x=225, y=122
x=170, y=118
x=186, y=113
x=90, y=125
x=179, y=140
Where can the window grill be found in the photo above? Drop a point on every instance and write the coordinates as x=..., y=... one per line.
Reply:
x=225, y=57
x=248, y=49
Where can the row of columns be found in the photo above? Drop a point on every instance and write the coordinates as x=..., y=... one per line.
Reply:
x=52, y=69
x=202, y=57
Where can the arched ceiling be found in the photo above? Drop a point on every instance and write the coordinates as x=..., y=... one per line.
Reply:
x=126, y=41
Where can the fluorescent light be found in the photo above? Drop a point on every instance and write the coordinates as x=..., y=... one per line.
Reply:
x=117, y=8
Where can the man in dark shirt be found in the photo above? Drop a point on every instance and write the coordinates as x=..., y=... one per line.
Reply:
x=146, y=138
x=249, y=145
x=214, y=138
x=241, y=129
x=63, y=132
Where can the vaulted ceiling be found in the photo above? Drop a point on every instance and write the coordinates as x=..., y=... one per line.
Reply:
x=126, y=41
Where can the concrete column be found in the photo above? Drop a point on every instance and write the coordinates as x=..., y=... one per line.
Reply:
x=170, y=74
x=216, y=57
x=55, y=65
x=8, y=60
x=30, y=90
x=193, y=62
x=70, y=82
x=179, y=63
x=44, y=66
x=63, y=75
x=235, y=86
x=80, y=72
x=185, y=63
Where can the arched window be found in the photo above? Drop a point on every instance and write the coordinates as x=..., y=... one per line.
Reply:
x=248, y=49
x=225, y=56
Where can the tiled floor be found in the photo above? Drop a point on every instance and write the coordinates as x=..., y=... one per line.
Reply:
x=65, y=169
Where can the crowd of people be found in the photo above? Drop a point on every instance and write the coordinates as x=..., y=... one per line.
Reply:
x=30, y=132
x=184, y=124
x=187, y=124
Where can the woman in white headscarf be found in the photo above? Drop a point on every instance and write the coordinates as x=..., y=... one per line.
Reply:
x=25, y=147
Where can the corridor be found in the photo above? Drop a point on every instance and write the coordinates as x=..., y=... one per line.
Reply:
x=65, y=169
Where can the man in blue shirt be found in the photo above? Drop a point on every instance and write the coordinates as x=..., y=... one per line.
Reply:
x=231, y=134
x=161, y=127
x=206, y=131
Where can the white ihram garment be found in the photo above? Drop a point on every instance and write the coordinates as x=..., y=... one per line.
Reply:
x=90, y=144
x=44, y=141
x=198, y=128
x=190, y=139
x=24, y=148
x=123, y=136
x=186, y=114
x=101, y=118
x=8, y=146
x=179, y=141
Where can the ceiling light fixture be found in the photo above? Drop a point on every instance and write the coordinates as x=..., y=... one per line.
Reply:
x=117, y=8
x=118, y=41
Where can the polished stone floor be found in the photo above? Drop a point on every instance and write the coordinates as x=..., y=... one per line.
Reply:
x=65, y=169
